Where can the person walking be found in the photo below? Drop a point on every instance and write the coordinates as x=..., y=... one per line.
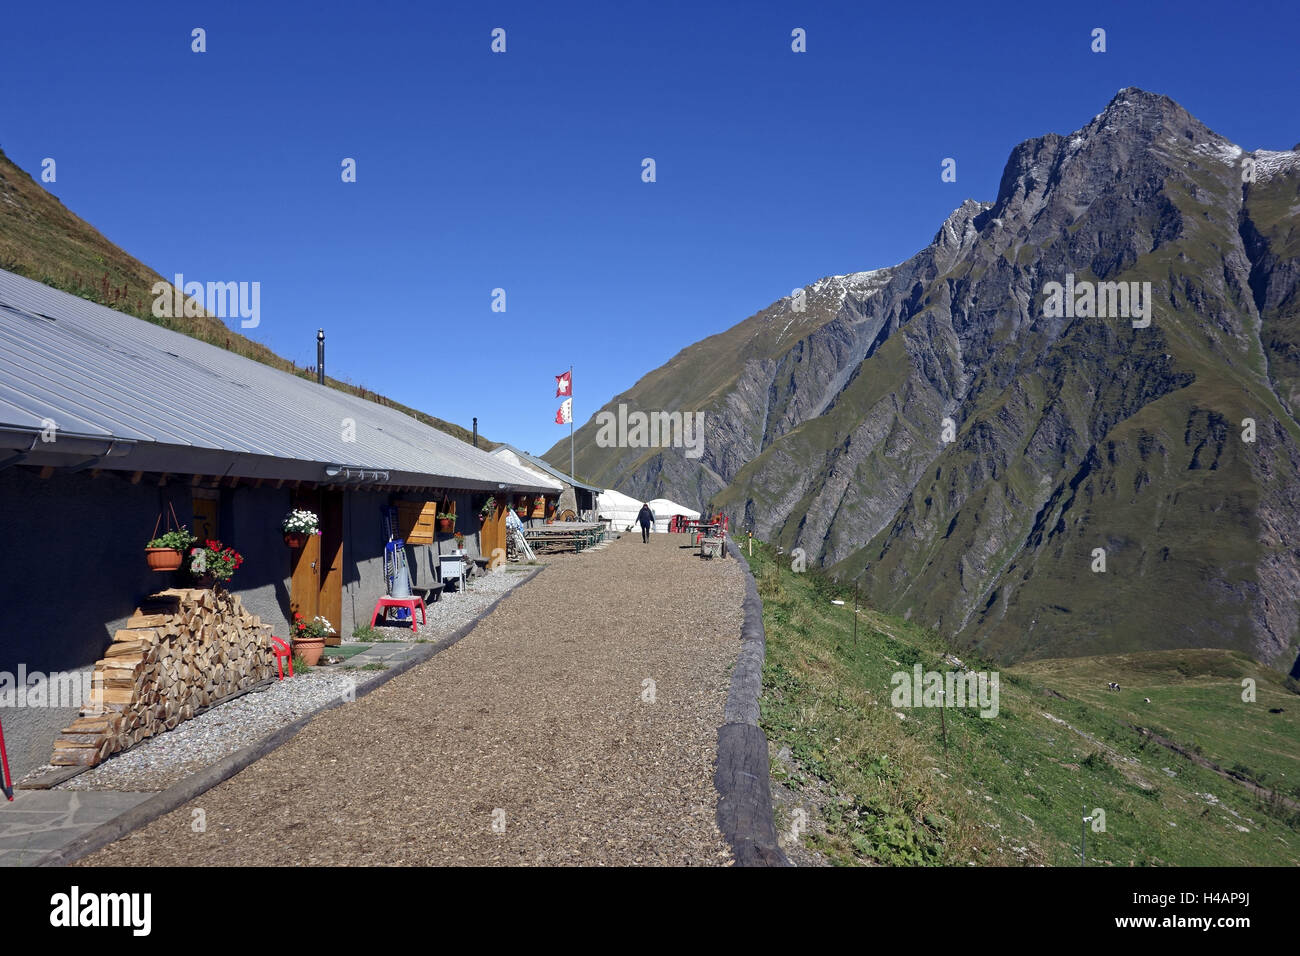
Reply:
x=645, y=517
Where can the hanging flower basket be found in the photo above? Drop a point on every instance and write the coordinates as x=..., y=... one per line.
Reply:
x=163, y=559
x=446, y=525
x=298, y=526
x=167, y=552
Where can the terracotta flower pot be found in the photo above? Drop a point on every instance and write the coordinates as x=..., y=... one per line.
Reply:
x=295, y=539
x=309, y=649
x=163, y=559
x=446, y=525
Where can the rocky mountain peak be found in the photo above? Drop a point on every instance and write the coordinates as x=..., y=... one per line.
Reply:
x=961, y=227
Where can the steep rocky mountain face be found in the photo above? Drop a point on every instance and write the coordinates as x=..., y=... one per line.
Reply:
x=975, y=455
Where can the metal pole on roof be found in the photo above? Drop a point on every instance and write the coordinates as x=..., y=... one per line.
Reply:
x=320, y=356
x=475, y=431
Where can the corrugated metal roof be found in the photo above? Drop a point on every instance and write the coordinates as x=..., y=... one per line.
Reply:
x=514, y=457
x=100, y=374
x=550, y=469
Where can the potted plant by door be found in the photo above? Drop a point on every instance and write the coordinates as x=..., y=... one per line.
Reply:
x=167, y=553
x=460, y=541
x=298, y=526
x=309, y=637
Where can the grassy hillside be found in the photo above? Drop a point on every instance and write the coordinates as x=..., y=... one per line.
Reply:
x=880, y=788
x=42, y=240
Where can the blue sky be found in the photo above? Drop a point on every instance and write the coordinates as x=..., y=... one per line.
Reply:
x=522, y=170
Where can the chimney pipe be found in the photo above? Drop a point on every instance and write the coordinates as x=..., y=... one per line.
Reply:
x=320, y=356
x=475, y=431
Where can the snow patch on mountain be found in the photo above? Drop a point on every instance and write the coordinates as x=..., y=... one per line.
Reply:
x=1222, y=150
x=1269, y=163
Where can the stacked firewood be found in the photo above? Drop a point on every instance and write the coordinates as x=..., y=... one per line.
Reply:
x=182, y=651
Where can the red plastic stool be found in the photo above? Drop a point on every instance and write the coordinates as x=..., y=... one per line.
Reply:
x=282, y=653
x=384, y=603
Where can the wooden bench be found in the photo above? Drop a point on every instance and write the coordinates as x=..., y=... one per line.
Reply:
x=431, y=593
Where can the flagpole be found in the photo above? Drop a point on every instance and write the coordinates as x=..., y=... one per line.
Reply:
x=571, y=474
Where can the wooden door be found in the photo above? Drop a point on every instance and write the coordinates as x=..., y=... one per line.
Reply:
x=492, y=534
x=206, y=507
x=305, y=578
x=330, y=601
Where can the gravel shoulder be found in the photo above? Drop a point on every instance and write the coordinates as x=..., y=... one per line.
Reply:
x=537, y=739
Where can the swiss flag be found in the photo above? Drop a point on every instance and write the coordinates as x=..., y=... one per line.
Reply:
x=565, y=413
x=564, y=384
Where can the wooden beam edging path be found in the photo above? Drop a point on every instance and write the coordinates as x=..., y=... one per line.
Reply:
x=743, y=777
x=178, y=794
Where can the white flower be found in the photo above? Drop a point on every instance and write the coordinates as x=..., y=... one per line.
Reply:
x=301, y=522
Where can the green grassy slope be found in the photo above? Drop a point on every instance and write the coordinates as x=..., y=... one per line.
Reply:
x=1011, y=789
x=42, y=240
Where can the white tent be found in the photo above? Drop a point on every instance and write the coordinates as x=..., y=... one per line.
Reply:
x=665, y=509
x=622, y=510
x=618, y=508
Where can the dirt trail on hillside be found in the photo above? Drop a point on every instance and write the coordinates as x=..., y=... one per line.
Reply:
x=535, y=722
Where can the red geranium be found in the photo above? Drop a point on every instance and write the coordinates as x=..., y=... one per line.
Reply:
x=220, y=561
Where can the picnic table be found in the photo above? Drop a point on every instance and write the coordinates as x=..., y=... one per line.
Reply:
x=564, y=535
x=711, y=536
x=709, y=528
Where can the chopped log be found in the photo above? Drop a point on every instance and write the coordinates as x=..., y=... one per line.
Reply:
x=141, y=619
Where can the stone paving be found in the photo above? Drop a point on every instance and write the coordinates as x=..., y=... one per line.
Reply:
x=40, y=821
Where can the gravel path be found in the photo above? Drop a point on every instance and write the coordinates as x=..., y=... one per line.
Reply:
x=532, y=741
